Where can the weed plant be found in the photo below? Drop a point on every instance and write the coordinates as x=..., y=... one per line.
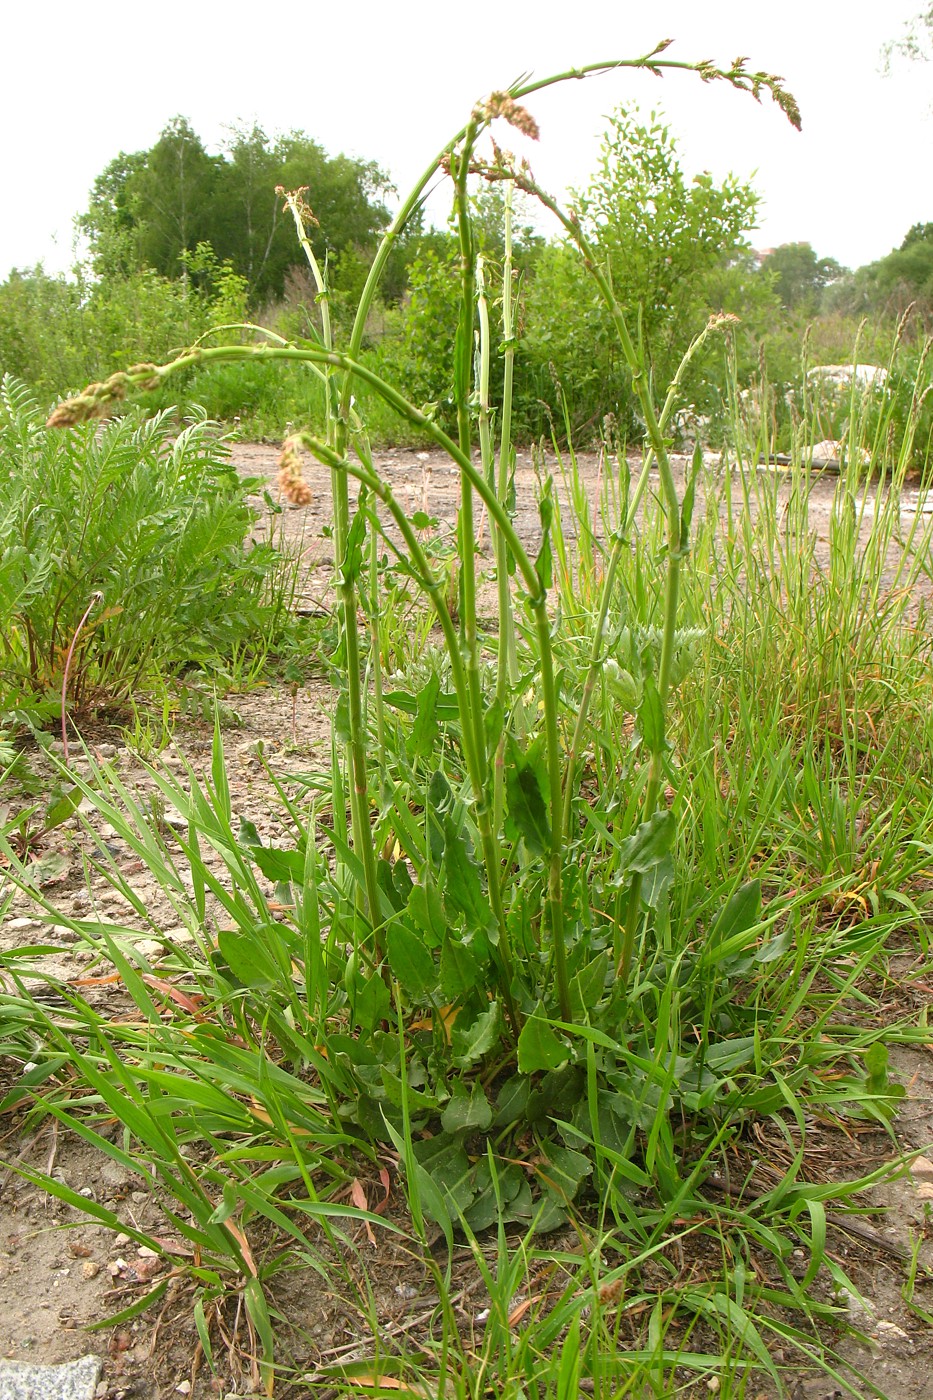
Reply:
x=126, y=557
x=579, y=907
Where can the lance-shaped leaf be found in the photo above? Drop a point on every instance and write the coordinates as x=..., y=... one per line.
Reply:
x=527, y=817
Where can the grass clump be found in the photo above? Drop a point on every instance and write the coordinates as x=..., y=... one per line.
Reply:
x=581, y=909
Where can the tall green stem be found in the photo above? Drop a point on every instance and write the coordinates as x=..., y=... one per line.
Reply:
x=474, y=757
x=466, y=538
x=346, y=594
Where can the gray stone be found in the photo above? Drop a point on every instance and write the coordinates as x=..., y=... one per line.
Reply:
x=75, y=1380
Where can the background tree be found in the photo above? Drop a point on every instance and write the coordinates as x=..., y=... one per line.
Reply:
x=665, y=240
x=799, y=276
x=154, y=208
x=171, y=197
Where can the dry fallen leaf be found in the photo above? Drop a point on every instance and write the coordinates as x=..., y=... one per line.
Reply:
x=358, y=1197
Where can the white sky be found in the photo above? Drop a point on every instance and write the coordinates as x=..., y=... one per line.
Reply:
x=391, y=80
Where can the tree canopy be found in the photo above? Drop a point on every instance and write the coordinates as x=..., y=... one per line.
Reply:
x=153, y=208
x=799, y=275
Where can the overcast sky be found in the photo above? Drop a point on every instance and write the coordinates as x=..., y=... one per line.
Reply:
x=392, y=81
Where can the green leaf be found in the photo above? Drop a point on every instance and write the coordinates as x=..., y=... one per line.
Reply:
x=61, y=810
x=420, y=1184
x=527, y=816
x=371, y=1003
x=469, y=1043
x=544, y=561
x=448, y=1165
x=281, y=867
x=258, y=1311
x=651, y=717
x=463, y=889
x=410, y=961
x=48, y=869
x=739, y=914
x=385, y=879
x=495, y=1196
x=571, y=1360
x=689, y=497
x=342, y=731
x=648, y=844
x=539, y=1048
x=493, y=724
x=249, y=959
x=445, y=705
x=350, y=568
x=563, y=1172
x=460, y=970
x=134, y=1310
x=876, y=1079
x=467, y=1110
x=249, y=835
x=588, y=985
x=512, y=1100
x=427, y=912
x=426, y=729
x=728, y=1054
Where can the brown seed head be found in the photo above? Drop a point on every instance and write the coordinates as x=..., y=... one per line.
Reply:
x=144, y=376
x=502, y=104
x=291, y=478
x=67, y=414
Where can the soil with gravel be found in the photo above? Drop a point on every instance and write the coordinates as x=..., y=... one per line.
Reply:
x=60, y=1275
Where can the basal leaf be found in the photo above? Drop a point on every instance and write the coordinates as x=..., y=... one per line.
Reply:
x=426, y=729
x=371, y=1002
x=648, y=844
x=460, y=969
x=249, y=959
x=651, y=717
x=448, y=1166
x=249, y=834
x=739, y=914
x=527, y=817
x=467, y=1110
x=563, y=1172
x=410, y=961
x=512, y=1100
x=470, y=1042
x=61, y=810
x=539, y=1048
x=463, y=888
x=427, y=913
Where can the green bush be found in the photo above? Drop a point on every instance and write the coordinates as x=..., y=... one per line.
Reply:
x=145, y=534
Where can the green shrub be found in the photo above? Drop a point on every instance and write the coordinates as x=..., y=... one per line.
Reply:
x=145, y=534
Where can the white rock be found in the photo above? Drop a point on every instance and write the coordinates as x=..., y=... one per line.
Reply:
x=830, y=450
x=843, y=376
x=890, y=1334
